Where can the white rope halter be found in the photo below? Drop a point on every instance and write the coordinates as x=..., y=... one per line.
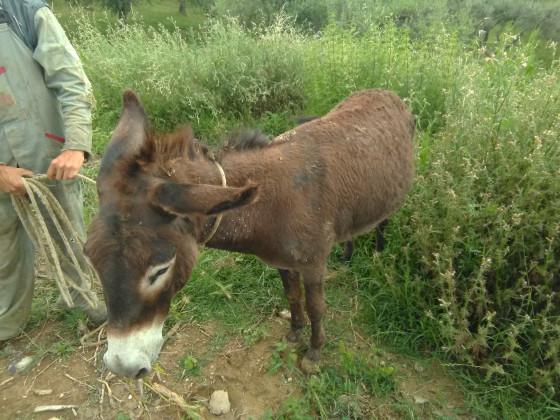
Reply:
x=219, y=217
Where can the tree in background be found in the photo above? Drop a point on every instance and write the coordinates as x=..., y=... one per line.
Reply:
x=183, y=7
x=122, y=7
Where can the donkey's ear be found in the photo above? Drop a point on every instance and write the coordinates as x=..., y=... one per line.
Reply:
x=185, y=199
x=130, y=134
x=133, y=122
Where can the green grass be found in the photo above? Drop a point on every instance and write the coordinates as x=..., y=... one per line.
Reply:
x=236, y=290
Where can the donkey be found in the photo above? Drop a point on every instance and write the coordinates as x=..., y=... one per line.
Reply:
x=287, y=201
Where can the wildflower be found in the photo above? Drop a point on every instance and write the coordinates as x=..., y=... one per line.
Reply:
x=489, y=315
x=538, y=142
x=443, y=303
x=486, y=262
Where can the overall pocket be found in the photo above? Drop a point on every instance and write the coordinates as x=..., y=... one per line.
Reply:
x=9, y=109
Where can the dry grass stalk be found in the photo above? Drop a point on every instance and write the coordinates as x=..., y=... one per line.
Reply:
x=175, y=398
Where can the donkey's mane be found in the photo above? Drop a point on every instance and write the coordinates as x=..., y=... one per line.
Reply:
x=182, y=144
x=246, y=140
x=174, y=145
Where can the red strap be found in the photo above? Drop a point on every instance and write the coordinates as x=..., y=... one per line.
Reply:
x=2, y=70
x=52, y=136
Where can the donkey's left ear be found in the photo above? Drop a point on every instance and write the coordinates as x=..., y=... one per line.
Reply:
x=183, y=199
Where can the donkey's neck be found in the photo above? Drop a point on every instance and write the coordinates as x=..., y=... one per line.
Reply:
x=238, y=228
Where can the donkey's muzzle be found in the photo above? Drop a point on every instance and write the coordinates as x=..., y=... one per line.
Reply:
x=131, y=355
x=130, y=365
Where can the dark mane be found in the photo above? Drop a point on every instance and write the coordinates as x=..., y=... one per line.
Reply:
x=182, y=144
x=247, y=139
x=177, y=145
x=174, y=145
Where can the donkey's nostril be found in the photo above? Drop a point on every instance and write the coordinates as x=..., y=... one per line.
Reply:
x=141, y=373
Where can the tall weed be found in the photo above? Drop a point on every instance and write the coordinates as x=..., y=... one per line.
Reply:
x=339, y=62
x=476, y=245
x=226, y=71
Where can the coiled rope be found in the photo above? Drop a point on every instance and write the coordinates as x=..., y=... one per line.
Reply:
x=34, y=223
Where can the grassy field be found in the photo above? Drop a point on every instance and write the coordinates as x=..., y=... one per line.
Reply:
x=470, y=275
x=155, y=13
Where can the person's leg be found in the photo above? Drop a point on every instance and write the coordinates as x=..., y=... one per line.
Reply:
x=69, y=194
x=17, y=272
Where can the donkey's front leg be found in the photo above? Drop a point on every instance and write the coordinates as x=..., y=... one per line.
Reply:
x=292, y=290
x=315, y=306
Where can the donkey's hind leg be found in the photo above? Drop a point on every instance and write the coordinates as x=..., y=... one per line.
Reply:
x=378, y=242
x=348, y=251
x=379, y=237
x=315, y=306
x=292, y=290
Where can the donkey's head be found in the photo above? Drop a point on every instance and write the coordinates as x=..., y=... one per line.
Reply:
x=144, y=241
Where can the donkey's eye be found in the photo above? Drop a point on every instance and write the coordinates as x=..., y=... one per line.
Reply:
x=157, y=274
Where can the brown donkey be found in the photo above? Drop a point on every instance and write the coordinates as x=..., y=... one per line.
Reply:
x=286, y=201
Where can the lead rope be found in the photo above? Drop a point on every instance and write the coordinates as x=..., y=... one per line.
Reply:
x=219, y=217
x=34, y=223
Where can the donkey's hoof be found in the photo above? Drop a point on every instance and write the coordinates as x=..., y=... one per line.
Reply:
x=310, y=367
x=313, y=354
x=293, y=336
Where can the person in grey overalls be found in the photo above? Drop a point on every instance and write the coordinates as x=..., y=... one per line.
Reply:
x=45, y=128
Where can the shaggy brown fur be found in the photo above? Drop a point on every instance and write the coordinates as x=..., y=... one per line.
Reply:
x=287, y=201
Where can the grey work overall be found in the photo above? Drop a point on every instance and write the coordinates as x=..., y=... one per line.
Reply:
x=31, y=135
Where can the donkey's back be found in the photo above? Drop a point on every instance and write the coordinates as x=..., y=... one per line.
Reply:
x=363, y=150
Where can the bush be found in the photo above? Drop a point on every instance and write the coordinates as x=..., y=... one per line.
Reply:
x=473, y=262
x=339, y=62
x=226, y=72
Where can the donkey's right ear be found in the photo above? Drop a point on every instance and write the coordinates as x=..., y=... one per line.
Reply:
x=129, y=135
x=183, y=199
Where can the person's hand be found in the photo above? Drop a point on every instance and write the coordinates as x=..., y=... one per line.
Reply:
x=10, y=179
x=66, y=165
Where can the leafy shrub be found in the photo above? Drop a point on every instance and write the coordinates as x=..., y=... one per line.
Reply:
x=474, y=251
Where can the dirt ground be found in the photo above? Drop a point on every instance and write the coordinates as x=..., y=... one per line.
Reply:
x=78, y=380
